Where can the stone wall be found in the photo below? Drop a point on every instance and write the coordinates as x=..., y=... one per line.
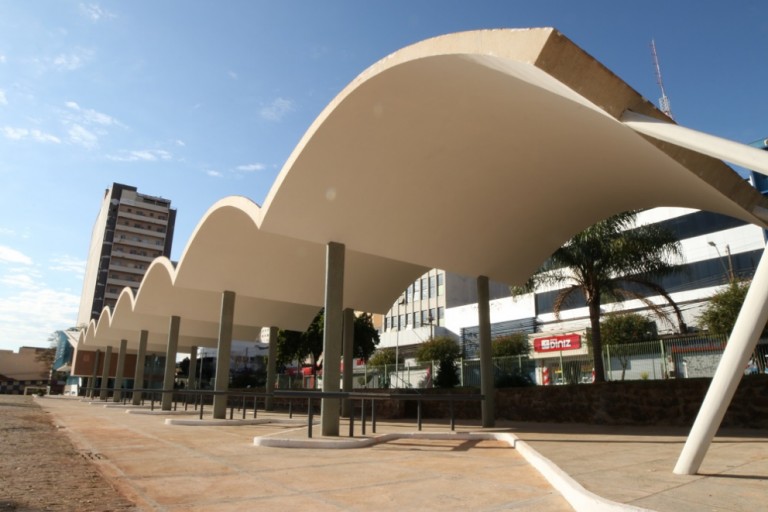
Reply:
x=672, y=402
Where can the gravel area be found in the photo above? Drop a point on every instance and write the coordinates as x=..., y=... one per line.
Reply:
x=40, y=468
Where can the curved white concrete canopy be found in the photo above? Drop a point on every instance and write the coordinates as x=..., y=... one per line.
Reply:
x=481, y=153
x=158, y=298
x=228, y=251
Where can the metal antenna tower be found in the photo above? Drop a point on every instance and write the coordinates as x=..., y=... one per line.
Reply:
x=664, y=100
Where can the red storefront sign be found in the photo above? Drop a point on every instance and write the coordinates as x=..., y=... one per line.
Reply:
x=557, y=343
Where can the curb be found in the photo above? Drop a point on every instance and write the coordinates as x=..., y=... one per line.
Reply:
x=574, y=493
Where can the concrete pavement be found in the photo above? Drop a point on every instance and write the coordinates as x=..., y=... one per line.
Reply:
x=214, y=467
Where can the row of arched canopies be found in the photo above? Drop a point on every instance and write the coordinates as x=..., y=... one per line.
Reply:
x=478, y=152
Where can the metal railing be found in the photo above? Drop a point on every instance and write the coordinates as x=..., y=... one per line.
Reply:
x=373, y=398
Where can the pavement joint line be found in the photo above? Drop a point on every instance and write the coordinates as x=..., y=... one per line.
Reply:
x=159, y=412
x=574, y=493
x=230, y=423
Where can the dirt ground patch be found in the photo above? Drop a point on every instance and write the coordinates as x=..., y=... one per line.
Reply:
x=41, y=470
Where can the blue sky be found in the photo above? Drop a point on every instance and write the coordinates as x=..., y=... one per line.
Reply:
x=195, y=100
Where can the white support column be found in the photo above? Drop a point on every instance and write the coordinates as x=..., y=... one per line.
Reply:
x=223, y=353
x=717, y=147
x=269, y=403
x=486, y=362
x=92, y=391
x=138, y=376
x=746, y=332
x=104, y=393
x=349, y=347
x=118, y=393
x=170, y=362
x=334, y=303
x=192, y=369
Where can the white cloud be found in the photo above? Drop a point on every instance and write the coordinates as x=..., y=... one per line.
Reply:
x=10, y=255
x=213, y=173
x=71, y=61
x=276, y=110
x=7, y=231
x=82, y=137
x=232, y=75
x=3, y=59
x=251, y=167
x=68, y=264
x=14, y=133
x=67, y=62
x=29, y=316
x=141, y=155
x=179, y=142
x=3, y=99
x=95, y=12
x=90, y=116
x=18, y=280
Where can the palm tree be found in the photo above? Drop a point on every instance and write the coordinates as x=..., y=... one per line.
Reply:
x=611, y=260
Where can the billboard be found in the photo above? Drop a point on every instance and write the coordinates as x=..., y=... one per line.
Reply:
x=557, y=344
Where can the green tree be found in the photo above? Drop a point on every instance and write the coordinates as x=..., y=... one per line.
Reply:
x=293, y=345
x=385, y=356
x=445, y=351
x=300, y=345
x=719, y=315
x=611, y=260
x=514, y=344
x=619, y=330
x=366, y=336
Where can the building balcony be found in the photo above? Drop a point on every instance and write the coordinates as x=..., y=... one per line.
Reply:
x=122, y=283
x=144, y=244
x=147, y=206
x=143, y=218
x=121, y=228
x=129, y=269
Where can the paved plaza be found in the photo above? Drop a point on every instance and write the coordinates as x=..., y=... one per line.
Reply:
x=218, y=468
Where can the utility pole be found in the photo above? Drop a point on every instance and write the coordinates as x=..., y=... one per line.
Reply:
x=664, y=105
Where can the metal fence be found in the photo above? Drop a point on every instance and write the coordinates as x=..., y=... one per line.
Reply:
x=681, y=357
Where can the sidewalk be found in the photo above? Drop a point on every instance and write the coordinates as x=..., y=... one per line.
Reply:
x=176, y=467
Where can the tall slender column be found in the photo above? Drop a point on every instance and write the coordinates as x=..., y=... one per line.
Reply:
x=486, y=362
x=169, y=376
x=192, y=369
x=269, y=403
x=334, y=303
x=138, y=376
x=105, y=373
x=222, y=354
x=117, y=394
x=92, y=391
x=746, y=332
x=349, y=347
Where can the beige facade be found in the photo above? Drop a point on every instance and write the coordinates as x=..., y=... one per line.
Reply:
x=19, y=369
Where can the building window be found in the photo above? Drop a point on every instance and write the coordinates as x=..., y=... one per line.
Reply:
x=441, y=316
x=432, y=286
x=424, y=289
x=416, y=319
x=440, y=284
x=417, y=290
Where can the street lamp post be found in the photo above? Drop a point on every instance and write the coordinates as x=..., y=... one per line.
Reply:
x=729, y=269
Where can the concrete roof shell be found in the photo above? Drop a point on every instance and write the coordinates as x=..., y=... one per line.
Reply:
x=481, y=153
x=228, y=251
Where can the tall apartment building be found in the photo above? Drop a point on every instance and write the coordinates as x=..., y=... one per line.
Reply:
x=131, y=230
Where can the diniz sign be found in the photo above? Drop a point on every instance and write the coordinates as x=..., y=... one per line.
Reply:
x=557, y=343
